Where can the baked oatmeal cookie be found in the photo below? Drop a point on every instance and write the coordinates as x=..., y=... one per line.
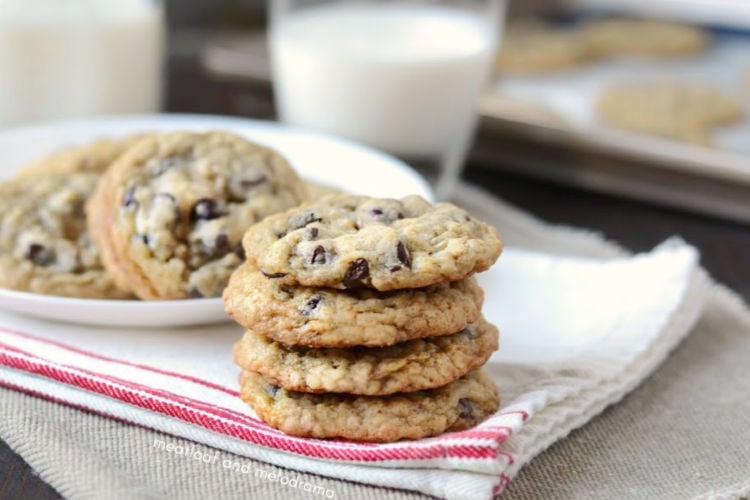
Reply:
x=170, y=213
x=93, y=157
x=668, y=108
x=644, y=37
x=409, y=366
x=351, y=241
x=533, y=46
x=326, y=317
x=45, y=246
x=410, y=415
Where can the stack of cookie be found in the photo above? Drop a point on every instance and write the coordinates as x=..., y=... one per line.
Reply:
x=364, y=320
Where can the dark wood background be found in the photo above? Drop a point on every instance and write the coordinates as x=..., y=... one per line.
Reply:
x=725, y=246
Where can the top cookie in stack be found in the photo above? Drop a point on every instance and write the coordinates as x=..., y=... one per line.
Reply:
x=364, y=320
x=353, y=241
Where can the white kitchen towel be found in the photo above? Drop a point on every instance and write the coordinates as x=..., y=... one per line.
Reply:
x=577, y=335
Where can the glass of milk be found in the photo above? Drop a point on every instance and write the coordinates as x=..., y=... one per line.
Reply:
x=65, y=58
x=402, y=76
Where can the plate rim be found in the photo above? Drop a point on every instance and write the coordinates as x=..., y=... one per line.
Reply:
x=164, y=121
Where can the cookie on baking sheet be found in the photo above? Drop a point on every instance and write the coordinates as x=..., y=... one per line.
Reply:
x=644, y=37
x=409, y=366
x=325, y=317
x=668, y=108
x=92, y=157
x=45, y=246
x=352, y=241
x=531, y=46
x=410, y=415
x=170, y=213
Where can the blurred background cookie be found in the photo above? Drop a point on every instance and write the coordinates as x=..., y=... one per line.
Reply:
x=45, y=246
x=677, y=110
x=532, y=45
x=643, y=37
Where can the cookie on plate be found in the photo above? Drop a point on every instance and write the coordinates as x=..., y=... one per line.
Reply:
x=351, y=241
x=170, y=213
x=667, y=108
x=325, y=317
x=409, y=366
x=644, y=37
x=92, y=157
x=43, y=210
x=410, y=415
x=317, y=190
x=45, y=246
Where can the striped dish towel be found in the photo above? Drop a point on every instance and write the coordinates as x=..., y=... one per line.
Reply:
x=576, y=336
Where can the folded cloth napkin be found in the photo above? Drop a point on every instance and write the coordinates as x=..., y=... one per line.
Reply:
x=577, y=335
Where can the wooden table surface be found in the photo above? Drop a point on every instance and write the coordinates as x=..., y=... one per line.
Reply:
x=724, y=245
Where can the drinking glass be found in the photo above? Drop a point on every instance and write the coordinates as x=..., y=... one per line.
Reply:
x=62, y=59
x=402, y=75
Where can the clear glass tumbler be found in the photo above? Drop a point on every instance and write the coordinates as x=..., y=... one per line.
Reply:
x=61, y=59
x=400, y=75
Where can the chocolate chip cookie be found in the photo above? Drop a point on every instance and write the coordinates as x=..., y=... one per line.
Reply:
x=644, y=37
x=317, y=190
x=92, y=157
x=409, y=366
x=409, y=415
x=170, y=213
x=325, y=317
x=351, y=241
x=668, y=108
x=45, y=246
x=531, y=46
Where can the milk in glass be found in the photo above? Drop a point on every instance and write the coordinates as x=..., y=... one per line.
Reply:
x=62, y=58
x=401, y=77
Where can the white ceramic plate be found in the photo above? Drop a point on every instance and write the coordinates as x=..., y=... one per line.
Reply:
x=315, y=156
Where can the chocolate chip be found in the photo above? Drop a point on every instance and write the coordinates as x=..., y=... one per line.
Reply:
x=206, y=209
x=301, y=220
x=240, y=251
x=358, y=271
x=376, y=211
x=128, y=199
x=251, y=183
x=403, y=254
x=467, y=218
x=272, y=275
x=311, y=304
x=399, y=215
x=194, y=293
x=313, y=233
x=271, y=389
x=167, y=164
x=395, y=268
x=221, y=243
x=466, y=408
x=318, y=255
x=145, y=239
x=40, y=255
x=219, y=247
